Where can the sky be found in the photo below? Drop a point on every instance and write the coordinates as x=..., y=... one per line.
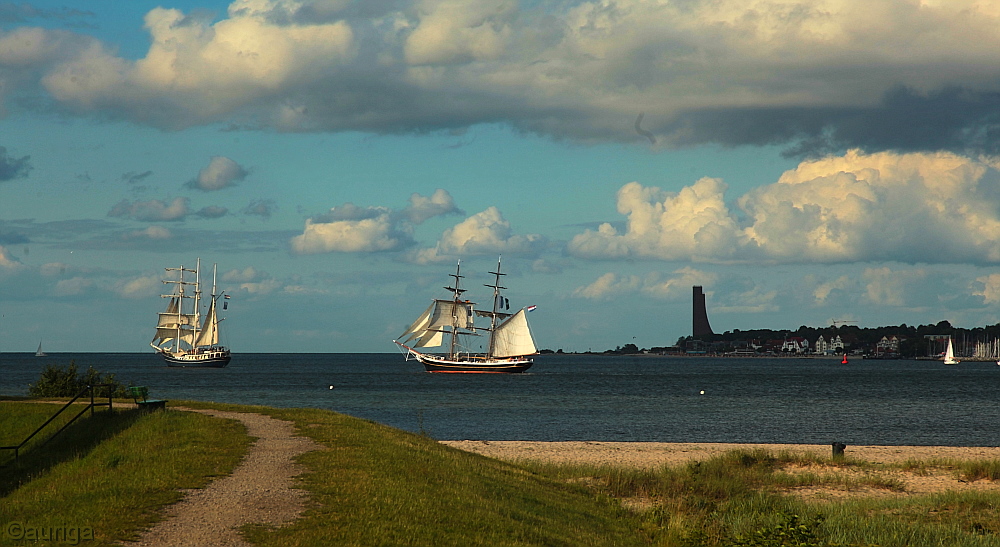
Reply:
x=807, y=162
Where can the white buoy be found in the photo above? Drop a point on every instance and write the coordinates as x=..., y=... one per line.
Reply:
x=331, y=387
x=702, y=392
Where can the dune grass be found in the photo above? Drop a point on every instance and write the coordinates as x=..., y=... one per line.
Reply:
x=113, y=473
x=375, y=485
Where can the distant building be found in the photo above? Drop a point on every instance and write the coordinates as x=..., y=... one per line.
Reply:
x=835, y=345
x=700, y=326
x=795, y=344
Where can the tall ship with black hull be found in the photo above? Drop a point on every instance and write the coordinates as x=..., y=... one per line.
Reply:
x=183, y=337
x=449, y=323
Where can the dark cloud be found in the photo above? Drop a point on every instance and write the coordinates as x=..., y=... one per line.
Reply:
x=263, y=208
x=13, y=238
x=953, y=119
x=21, y=13
x=132, y=177
x=13, y=168
x=212, y=211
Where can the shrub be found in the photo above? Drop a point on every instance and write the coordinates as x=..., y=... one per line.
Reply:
x=58, y=382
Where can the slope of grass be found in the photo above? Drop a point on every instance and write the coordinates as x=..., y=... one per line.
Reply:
x=375, y=485
x=113, y=473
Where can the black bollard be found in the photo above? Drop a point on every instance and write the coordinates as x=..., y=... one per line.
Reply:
x=838, y=450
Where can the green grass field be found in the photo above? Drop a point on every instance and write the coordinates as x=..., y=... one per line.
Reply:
x=375, y=485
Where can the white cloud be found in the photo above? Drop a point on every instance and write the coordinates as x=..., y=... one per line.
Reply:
x=140, y=287
x=694, y=223
x=887, y=287
x=350, y=228
x=484, y=233
x=72, y=287
x=918, y=207
x=656, y=285
x=608, y=286
x=822, y=291
x=422, y=208
x=581, y=70
x=990, y=288
x=241, y=276
x=221, y=172
x=349, y=236
x=7, y=261
x=455, y=31
x=196, y=70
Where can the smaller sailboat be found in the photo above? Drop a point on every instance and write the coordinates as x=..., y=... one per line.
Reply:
x=39, y=352
x=449, y=322
x=949, y=355
x=182, y=337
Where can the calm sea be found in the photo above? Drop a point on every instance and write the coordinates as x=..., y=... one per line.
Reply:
x=599, y=398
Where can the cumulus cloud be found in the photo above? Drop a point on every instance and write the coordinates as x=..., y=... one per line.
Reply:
x=139, y=287
x=373, y=233
x=990, y=288
x=422, y=208
x=887, y=287
x=819, y=74
x=350, y=228
x=917, y=207
x=7, y=261
x=485, y=233
x=657, y=285
x=151, y=211
x=221, y=172
x=12, y=168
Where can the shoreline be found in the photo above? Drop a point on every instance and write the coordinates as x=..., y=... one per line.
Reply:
x=656, y=454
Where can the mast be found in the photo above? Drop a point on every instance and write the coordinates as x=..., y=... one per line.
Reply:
x=179, y=294
x=456, y=297
x=197, y=303
x=493, y=316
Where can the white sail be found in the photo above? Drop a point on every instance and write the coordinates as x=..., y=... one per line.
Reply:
x=513, y=337
x=949, y=356
x=449, y=313
x=209, y=334
x=419, y=327
x=428, y=330
x=167, y=324
x=430, y=339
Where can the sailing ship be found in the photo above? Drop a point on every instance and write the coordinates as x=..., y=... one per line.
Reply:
x=39, y=352
x=449, y=323
x=949, y=355
x=183, y=338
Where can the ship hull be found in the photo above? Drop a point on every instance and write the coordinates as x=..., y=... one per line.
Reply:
x=440, y=363
x=434, y=363
x=212, y=359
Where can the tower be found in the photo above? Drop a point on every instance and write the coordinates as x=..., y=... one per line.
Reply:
x=700, y=325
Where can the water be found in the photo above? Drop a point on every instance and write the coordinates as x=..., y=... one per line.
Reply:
x=580, y=397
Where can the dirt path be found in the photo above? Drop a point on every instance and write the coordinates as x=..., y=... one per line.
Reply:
x=260, y=490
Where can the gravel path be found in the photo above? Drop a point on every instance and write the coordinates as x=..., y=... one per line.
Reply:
x=260, y=490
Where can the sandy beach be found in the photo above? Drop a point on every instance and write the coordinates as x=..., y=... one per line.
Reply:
x=652, y=455
x=643, y=454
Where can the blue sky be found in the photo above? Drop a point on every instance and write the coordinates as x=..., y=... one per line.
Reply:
x=806, y=162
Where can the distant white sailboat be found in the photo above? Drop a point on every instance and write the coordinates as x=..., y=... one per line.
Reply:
x=39, y=352
x=949, y=355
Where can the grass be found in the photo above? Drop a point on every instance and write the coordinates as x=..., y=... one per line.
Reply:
x=374, y=485
x=114, y=472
